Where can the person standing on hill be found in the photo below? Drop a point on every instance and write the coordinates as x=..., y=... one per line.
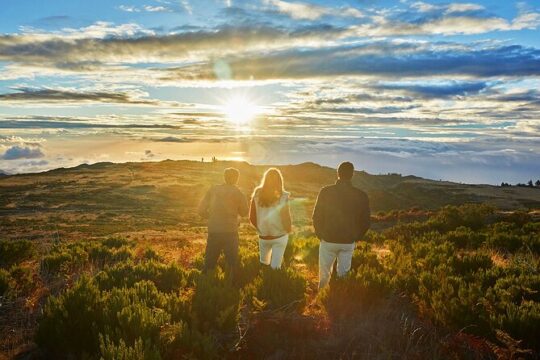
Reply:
x=269, y=213
x=340, y=218
x=222, y=205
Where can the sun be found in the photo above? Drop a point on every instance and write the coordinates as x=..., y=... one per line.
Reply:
x=240, y=110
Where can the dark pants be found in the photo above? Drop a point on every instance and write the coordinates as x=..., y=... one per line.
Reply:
x=217, y=242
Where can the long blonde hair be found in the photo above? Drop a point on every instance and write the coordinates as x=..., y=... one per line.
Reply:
x=271, y=188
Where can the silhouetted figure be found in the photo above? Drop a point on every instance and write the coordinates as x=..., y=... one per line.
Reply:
x=269, y=213
x=222, y=205
x=341, y=217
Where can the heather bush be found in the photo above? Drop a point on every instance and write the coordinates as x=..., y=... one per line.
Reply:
x=357, y=291
x=302, y=249
x=216, y=303
x=110, y=350
x=70, y=323
x=14, y=251
x=167, y=278
x=464, y=237
x=23, y=278
x=57, y=263
x=180, y=341
x=5, y=279
x=249, y=267
x=363, y=255
x=279, y=288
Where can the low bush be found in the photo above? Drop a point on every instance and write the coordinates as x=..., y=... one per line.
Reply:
x=279, y=288
x=14, y=251
x=57, y=263
x=249, y=266
x=355, y=292
x=216, y=303
x=304, y=250
x=179, y=341
x=167, y=278
x=120, y=351
x=5, y=280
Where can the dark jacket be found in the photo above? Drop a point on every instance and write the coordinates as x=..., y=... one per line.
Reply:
x=222, y=205
x=341, y=214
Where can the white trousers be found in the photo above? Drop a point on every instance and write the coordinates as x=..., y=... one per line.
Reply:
x=271, y=251
x=328, y=253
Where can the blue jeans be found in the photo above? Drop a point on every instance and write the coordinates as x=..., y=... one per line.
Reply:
x=218, y=242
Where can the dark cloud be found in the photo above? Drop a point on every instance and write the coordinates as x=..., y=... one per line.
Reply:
x=17, y=152
x=52, y=95
x=450, y=89
x=383, y=59
x=67, y=123
x=173, y=139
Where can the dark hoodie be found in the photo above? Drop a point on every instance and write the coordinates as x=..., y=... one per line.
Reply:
x=341, y=214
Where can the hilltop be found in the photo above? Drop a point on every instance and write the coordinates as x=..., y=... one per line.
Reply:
x=105, y=198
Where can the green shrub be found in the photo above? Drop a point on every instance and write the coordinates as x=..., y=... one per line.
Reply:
x=112, y=351
x=453, y=302
x=504, y=241
x=116, y=242
x=469, y=263
x=5, y=279
x=216, y=303
x=363, y=255
x=355, y=292
x=249, y=267
x=23, y=278
x=464, y=237
x=57, y=263
x=151, y=254
x=14, y=251
x=279, y=288
x=167, y=278
x=179, y=341
x=71, y=321
x=521, y=321
x=302, y=249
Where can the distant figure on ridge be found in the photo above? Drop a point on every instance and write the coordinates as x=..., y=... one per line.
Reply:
x=222, y=205
x=341, y=217
x=269, y=213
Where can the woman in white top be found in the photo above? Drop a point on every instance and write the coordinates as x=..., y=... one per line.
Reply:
x=269, y=213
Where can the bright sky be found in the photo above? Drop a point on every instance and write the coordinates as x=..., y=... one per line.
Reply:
x=443, y=90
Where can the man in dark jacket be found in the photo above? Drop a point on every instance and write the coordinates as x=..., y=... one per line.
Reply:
x=222, y=205
x=341, y=217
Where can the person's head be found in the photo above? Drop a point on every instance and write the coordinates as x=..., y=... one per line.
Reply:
x=345, y=171
x=231, y=176
x=271, y=187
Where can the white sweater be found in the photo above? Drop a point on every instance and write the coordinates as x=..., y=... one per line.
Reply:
x=269, y=222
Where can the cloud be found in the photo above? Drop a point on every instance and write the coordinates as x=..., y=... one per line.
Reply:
x=173, y=139
x=22, y=152
x=438, y=90
x=144, y=8
x=307, y=11
x=378, y=59
x=107, y=47
x=45, y=95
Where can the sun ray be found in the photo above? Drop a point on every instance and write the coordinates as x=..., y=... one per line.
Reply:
x=240, y=110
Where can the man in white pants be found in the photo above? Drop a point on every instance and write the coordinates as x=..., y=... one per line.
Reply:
x=341, y=217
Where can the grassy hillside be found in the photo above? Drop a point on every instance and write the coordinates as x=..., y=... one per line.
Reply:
x=104, y=261
x=105, y=198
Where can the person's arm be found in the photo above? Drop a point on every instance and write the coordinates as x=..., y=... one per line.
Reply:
x=253, y=213
x=286, y=217
x=365, y=217
x=318, y=215
x=204, y=205
x=242, y=205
